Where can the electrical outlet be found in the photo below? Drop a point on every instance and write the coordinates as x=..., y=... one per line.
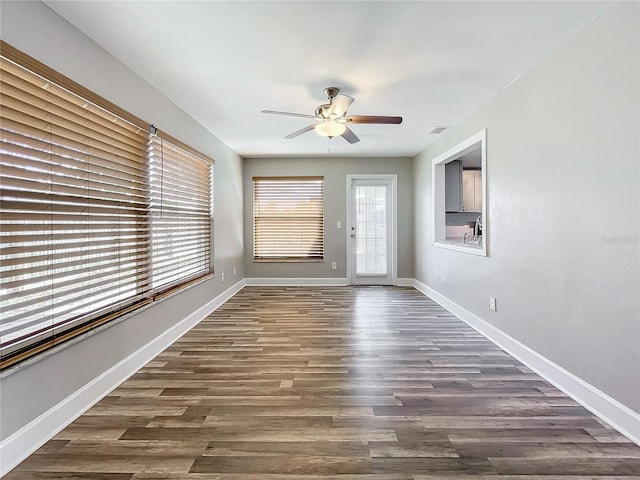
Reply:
x=235, y=272
x=492, y=304
x=222, y=277
x=334, y=265
x=338, y=224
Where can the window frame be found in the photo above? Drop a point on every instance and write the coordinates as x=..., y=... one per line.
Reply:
x=287, y=258
x=85, y=323
x=478, y=140
x=156, y=208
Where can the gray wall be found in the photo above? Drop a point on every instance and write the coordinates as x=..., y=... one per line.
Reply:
x=335, y=172
x=35, y=29
x=564, y=211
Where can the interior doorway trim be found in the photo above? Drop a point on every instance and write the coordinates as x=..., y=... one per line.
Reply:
x=393, y=210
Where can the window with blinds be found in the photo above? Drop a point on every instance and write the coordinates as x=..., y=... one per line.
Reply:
x=92, y=222
x=180, y=197
x=288, y=218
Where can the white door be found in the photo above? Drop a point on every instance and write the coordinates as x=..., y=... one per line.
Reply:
x=371, y=229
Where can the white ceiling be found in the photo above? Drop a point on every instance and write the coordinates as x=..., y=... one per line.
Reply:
x=432, y=62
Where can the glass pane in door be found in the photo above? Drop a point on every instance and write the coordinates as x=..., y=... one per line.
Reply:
x=371, y=229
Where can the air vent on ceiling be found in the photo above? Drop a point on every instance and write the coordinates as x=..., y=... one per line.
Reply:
x=438, y=130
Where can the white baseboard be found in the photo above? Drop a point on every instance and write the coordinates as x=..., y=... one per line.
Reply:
x=294, y=282
x=15, y=448
x=619, y=416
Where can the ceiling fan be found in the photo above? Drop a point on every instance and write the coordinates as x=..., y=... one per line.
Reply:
x=332, y=120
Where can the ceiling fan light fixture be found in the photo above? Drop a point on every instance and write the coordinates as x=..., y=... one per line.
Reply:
x=330, y=128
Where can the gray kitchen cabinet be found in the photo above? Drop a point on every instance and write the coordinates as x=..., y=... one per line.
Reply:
x=453, y=186
x=472, y=190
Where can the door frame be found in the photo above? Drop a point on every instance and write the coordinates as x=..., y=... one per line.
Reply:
x=393, y=215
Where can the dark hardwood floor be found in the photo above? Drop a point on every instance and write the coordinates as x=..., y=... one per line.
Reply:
x=355, y=383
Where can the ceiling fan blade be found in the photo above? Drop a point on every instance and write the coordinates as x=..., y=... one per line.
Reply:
x=300, y=132
x=374, y=119
x=274, y=112
x=349, y=136
x=339, y=105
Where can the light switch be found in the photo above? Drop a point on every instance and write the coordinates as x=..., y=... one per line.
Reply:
x=338, y=224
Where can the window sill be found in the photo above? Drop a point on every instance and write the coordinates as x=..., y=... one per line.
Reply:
x=460, y=247
x=135, y=309
x=288, y=260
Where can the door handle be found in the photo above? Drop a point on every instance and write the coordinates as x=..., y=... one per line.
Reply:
x=353, y=235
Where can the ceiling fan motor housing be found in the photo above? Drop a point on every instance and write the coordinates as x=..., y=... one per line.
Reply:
x=331, y=92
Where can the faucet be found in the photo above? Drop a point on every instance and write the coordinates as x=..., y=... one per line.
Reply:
x=477, y=227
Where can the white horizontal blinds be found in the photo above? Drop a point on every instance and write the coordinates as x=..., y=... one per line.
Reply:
x=180, y=193
x=74, y=237
x=288, y=218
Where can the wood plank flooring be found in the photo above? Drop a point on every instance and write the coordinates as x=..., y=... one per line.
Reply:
x=350, y=383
